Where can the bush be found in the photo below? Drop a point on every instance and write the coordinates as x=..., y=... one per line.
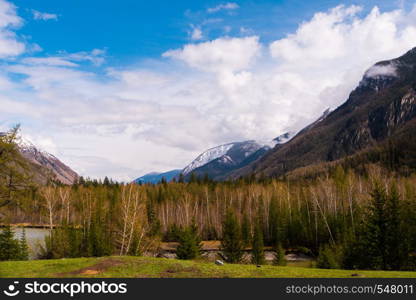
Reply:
x=329, y=257
x=304, y=250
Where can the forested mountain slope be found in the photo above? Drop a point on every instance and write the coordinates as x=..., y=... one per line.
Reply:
x=381, y=110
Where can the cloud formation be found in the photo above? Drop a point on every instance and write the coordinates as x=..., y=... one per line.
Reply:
x=9, y=44
x=220, y=55
x=382, y=70
x=37, y=15
x=224, y=6
x=196, y=33
x=123, y=122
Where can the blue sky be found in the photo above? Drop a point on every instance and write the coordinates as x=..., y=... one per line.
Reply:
x=122, y=88
x=131, y=30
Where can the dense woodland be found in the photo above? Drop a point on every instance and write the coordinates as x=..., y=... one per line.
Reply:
x=345, y=218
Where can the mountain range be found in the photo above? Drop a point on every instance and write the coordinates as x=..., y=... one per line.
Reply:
x=378, y=114
x=378, y=120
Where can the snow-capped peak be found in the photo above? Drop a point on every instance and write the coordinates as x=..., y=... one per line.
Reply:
x=26, y=145
x=207, y=156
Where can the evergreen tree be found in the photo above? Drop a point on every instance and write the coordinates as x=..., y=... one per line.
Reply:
x=231, y=243
x=279, y=255
x=14, y=180
x=152, y=218
x=23, y=248
x=9, y=246
x=246, y=231
x=257, y=252
x=193, y=178
x=261, y=219
x=395, y=237
x=375, y=230
x=369, y=250
x=189, y=243
x=274, y=230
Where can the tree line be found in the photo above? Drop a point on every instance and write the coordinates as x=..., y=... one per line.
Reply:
x=345, y=218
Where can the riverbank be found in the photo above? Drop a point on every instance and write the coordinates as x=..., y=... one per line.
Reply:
x=150, y=267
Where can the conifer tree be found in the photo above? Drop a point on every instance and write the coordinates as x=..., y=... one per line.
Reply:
x=257, y=252
x=369, y=251
x=395, y=237
x=231, y=243
x=376, y=229
x=9, y=246
x=246, y=231
x=189, y=243
x=274, y=230
x=279, y=255
x=23, y=248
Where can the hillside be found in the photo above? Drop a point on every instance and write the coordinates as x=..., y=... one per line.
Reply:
x=46, y=165
x=41, y=165
x=381, y=109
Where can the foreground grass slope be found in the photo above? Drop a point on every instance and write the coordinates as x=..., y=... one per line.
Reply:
x=148, y=267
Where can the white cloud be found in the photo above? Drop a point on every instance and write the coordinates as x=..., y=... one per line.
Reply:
x=37, y=15
x=134, y=120
x=196, y=34
x=9, y=44
x=96, y=57
x=382, y=70
x=224, y=6
x=48, y=61
x=223, y=54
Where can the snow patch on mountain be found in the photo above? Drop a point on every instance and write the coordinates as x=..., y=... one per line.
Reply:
x=27, y=146
x=207, y=156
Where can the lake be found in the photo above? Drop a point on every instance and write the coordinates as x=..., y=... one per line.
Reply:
x=35, y=238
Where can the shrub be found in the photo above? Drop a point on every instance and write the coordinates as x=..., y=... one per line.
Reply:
x=329, y=257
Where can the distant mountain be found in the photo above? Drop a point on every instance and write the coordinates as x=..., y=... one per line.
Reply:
x=51, y=165
x=218, y=161
x=380, y=111
x=157, y=177
x=206, y=157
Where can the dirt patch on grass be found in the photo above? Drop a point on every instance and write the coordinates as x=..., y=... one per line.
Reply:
x=96, y=269
x=175, y=269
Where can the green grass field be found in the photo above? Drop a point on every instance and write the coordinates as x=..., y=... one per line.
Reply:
x=148, y=267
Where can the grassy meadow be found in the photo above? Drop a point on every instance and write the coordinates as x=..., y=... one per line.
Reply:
x=150, y=267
